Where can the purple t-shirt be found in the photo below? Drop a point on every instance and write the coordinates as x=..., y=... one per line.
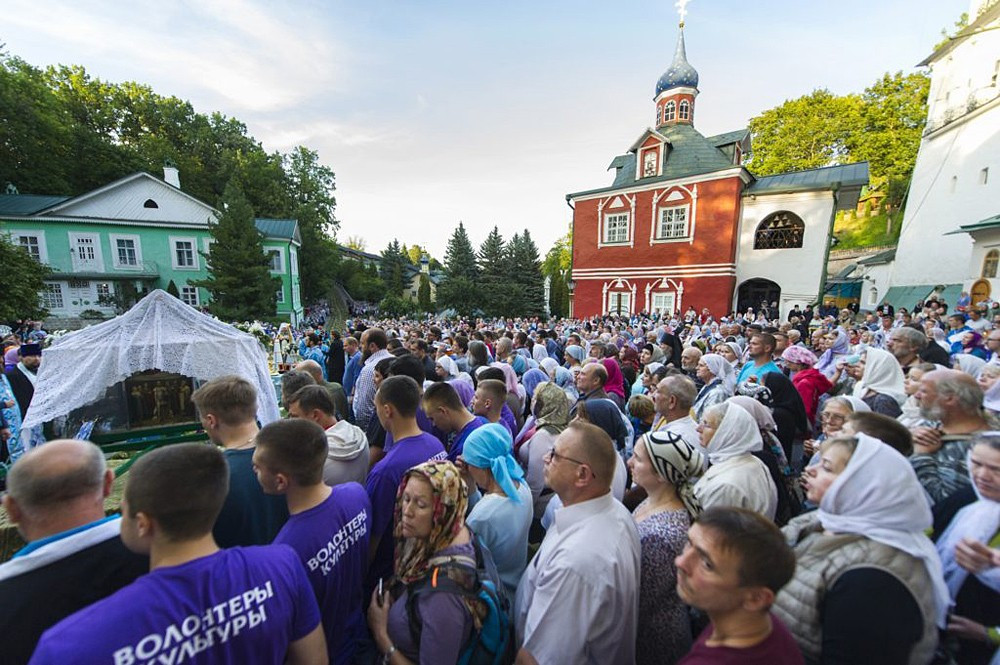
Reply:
x=778, y=648
x=425, y=425
x=332, y=541
x=241, y=605
x=383, y=482
x=458, y=443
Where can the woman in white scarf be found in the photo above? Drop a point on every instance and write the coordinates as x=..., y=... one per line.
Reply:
x=735, y=478
x=719, y=378
x=867, y=490
x=973, y=583
x=971, y=365
x=881, y=386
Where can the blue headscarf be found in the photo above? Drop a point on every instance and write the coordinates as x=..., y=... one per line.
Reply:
x=531, y=379
x=489, y=447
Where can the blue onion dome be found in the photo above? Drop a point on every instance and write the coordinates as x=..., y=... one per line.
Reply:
x=680, y=73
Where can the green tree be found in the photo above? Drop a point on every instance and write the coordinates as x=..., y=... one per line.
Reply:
x=239, y=279
x=356, y=243
x=893, y=115
x=556, y=266
x=805, y=133
x=393, y=268
x=458, y=290
x=494, y=273
x=311, y=187
x=424, y=294
x=172, y=289
x=527, y=297
x=21, y=280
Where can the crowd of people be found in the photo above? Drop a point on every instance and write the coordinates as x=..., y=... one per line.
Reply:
x=819, y=489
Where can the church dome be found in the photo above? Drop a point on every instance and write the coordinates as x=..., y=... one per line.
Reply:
x=680, y=74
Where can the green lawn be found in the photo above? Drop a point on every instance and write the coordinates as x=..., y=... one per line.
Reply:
x=866, y=231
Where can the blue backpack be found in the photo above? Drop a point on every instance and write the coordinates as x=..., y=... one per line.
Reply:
x=477, y=580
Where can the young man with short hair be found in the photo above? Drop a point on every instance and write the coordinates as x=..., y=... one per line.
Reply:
x=396, y=405
x=328, y=527
x=445, y=409
x=347, y=446
x=732, y=568
x=488, y=401
x=198, y=603
x=761, y=351
x=227, y=407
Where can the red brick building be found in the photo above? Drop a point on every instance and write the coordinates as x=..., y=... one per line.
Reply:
x=671, y=228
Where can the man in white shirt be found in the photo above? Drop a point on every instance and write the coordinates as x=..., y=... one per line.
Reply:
x=673, y=398
x=578, y=601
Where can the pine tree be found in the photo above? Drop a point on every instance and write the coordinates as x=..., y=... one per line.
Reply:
x=459, y=289
x=424, y=294
x=528, y=273
x=494, y=273
x=392, y=268
x=239, y=279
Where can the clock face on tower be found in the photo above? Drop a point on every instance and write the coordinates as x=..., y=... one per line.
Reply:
x=649, y=164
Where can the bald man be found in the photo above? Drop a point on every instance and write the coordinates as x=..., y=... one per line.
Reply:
x=74, y=556
x=337, y=394
x=584, y=580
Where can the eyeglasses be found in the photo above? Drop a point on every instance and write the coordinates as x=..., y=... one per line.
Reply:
x=552, y=455
x=832, y=418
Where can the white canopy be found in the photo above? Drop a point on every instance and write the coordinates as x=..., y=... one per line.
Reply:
x=159, y=332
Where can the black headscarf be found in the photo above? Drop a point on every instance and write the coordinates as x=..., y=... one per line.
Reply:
x=605, y=414
x=674, y=344
x=789, y=412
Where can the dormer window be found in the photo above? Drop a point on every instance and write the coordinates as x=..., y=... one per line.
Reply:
x=685, y=110
x=669, y=111
x=150, y=203
x=649, y=163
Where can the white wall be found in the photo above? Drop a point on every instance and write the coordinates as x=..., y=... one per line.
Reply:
x=876, y=277
x=796, y=271
x=946, y=190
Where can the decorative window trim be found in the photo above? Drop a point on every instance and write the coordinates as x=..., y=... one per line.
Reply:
x=664, y=286
x=280, y=270
x=39, y=236
x=692, y=214
x=186, y=292
x=618, y=285
x=684, y=110
x=294, y=259
x=74, y=236
x=113, y=238
x=618, y=218
x=50, y=289
x=281, y=295
x=990, y=262
x=602, y=213
x=669, y=111
x=174, y=263
x=780, y=234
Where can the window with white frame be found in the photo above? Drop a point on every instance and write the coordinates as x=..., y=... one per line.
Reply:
x=277, y=260
x=52, y=295
x=183, y=253
x=648, y=163
x=281, y=295
x=126, y=251
x=189, y=295
x=104, y=291
x=33, y=244
x=684, y=113
x=669, y=111
x=663, y=303
x=295, y=261
x=673, y=223
x=616, y=228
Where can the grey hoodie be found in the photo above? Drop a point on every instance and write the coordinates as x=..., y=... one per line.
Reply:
x=347, y=456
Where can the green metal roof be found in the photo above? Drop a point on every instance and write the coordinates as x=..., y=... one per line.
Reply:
x=907, y=296
x=27, y=204
x=689, y=154
x=845, y=175
x=879, y=258
x=286, y=229
x=720, y=140
x=982, y=225
x=979, y=24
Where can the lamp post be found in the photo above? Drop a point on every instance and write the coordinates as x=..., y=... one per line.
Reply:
x=571, y=285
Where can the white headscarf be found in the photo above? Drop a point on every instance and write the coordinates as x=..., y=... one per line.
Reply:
x=969, y=364
x=977, y=521
x=539, y=352
x=991, y=399
x=722, y=370
x=858, y=405
x=879, y=497
x=549, y=366
x=737, y=435
x=449, y=366
x=883, y=375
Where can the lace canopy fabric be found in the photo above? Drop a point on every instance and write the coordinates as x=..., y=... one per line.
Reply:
x=159, y=332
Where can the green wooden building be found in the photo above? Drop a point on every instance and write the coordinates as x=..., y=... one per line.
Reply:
x=139, y=230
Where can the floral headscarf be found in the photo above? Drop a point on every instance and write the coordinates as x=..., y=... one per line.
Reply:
x=451, y=496
x=551, y=408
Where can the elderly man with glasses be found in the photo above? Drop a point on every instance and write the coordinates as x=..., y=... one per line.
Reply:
x=578, y=600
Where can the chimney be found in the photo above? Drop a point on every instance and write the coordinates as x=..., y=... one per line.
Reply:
x=171, y=175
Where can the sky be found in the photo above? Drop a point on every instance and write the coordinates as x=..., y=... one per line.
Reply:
x=433, y=112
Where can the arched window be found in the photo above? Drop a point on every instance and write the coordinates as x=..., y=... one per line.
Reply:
x=150, y=203
x=669, y=111
x=685, y=110
x=781, y=230
x=990, y=264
